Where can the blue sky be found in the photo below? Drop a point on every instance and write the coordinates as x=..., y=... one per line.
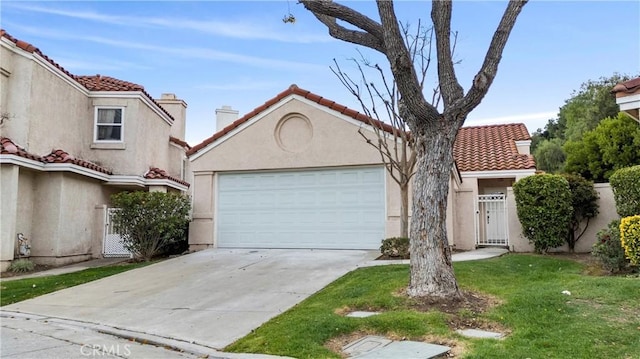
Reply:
x=241, y=53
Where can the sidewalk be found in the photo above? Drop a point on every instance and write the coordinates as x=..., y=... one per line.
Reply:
x=26, y=336
x=76, y=267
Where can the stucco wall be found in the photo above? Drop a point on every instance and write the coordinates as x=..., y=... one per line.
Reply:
x=607, y=209
x=295, y=135
x=16, y=94
x=8, y=208
x=66, y=218
x=464, y=214
x=59, y=115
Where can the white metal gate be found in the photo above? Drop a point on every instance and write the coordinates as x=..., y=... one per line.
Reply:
x=491, y=220
x=112, y=243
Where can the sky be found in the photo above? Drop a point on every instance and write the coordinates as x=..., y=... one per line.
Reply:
x=241, y=53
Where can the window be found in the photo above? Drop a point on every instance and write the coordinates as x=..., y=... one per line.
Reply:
x=109, y=124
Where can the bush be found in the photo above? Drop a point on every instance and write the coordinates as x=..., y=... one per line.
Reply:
x=544, y=209
x=608, y=248
x=630, y=238
x=626, y=190
x=21, y=265
x=395, y=247
x=584, y=203
x=150, y=221
x=179, y=246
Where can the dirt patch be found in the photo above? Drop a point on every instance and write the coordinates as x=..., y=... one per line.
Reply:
x=464, y=313
x=37, y=268
x=470, y=302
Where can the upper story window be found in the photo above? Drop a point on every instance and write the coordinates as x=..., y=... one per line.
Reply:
x=109, y=124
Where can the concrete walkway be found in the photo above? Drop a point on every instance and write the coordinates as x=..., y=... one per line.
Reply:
x=475, y=255
x=187, y=307
x=210, y=298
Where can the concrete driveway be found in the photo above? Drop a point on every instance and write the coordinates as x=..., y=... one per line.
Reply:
x=211, y=298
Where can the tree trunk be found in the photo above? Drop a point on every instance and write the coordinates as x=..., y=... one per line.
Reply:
x=431, y=268
x=404, y=210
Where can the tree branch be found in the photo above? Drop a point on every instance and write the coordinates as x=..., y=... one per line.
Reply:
x=450, y=89
x=401, y=65
x=327, y=12
x=483, y=79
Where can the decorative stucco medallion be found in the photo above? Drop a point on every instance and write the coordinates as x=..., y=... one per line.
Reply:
x=294, y=133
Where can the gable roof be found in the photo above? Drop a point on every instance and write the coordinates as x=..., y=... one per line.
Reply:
x=292, y=90
x=91, y=83
x=492, y=148
x=480, y=148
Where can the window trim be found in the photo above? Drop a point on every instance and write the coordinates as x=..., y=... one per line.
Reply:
x=95, y=123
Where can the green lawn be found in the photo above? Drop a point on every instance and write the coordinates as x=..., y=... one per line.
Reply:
x=22, y=289
x=600, y=319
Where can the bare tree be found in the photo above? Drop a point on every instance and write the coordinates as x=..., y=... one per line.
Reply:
x=433, y=131
x=393, y=143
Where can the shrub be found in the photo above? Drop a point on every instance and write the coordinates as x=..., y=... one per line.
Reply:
x=608, y=248
x=543, y=204
x=626, y=190
x=21, y=265
x=630, y=238
x=584, y=203
x=150, y=221
x=395, y=247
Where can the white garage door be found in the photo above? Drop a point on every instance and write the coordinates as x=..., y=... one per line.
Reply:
x=333, y=208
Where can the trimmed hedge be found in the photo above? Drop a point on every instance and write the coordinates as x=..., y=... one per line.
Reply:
x=630, y=238
x=625, y=183
x=544, y=209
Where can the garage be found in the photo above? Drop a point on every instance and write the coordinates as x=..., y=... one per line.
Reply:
x=341, y=208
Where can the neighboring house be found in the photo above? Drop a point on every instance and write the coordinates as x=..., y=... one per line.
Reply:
x=67, y=143
x=295, y=173
x=628, y=97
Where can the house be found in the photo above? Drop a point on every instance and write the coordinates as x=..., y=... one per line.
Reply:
x=67, y=143
x=628, y=97
x=295, y=173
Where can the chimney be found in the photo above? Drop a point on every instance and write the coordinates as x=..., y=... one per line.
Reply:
x=177, y=108
x=225, y=116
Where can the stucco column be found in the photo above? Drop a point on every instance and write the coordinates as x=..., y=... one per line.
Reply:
x=8, y=213
x=517, y=242
x=98, y=235
x=201, y=231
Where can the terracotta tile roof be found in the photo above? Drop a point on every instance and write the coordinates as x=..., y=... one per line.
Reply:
x=34, y=50
x=627, y=86
x=157, y=173
x=91, y=83
x=292, y=90
x=106, y=83
x=492, y=148
x=179, y=142
x=8, y=147
x=61, y=156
